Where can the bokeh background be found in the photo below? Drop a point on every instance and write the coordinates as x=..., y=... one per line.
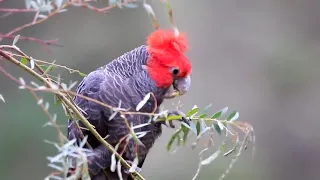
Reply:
x=258, y=57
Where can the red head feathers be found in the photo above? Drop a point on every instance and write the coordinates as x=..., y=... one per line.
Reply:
x=167, y=57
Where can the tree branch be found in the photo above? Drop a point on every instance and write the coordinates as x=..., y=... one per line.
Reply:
x=74, y=109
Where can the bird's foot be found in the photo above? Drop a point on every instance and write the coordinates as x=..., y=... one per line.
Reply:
x=183, y=118
x=137, y=169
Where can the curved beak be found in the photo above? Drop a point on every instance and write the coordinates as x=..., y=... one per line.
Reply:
x=179, y=87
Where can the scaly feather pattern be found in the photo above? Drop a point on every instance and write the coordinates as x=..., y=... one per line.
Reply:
x=124, y=79
x=151, y=68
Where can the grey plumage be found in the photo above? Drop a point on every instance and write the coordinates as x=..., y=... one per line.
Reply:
x=124, y=79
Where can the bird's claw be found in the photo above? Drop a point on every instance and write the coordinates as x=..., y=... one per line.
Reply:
x=178, y=113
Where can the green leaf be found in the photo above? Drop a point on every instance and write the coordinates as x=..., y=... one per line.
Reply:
x=198, y=127
x=170, y=118
x=43, y=67
x=24, y=60
x=185, y=131
x=192, y=112
x=185, y=137
x=219, y=113
x=58, y=102
x=217, y=128
x=82, y=74
x=216, y=115
x=233, y=116
x=46, y=68
x=173, y=137
x=135, y=138
x=203, y=115
x=178, y=140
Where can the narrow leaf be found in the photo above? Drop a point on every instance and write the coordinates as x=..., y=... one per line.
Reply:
x=134, y=164
x=216, y=115
x=56, y=167
x=72, y=85
x=170, y=118
x=55, y=158
x=143, y=102
x=178, y=140
x=119, y=170
x=221, y=126
x=83, y=142
x=185, y=131
x=203, y=115
x=135, y=137
x=113, y=115
x=1, y=98
x=64, y=86
x=149, y=9
x=32, y=63
x=113, y=163
x=233, y=116
x=211, y=158
x=206, y=108
x=224, y=110
x=15, y=40
x=50, y=68
x=82, y=74
x=217, y=128
x=198, y=127
x=63, y=10
x=42, y=16
x=22, y=82
x=141, y=134
x=192, y=112
x=68, y=144
x=219, y=113
x=35, y=84
x=141, y=125
x=173, y=137
x=59, y=3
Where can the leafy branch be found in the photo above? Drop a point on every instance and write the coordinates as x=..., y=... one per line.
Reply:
x=200, y=124
x=45, y=9
x=65, y=99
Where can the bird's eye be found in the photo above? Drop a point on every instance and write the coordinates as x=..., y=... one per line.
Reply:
x=175, y=71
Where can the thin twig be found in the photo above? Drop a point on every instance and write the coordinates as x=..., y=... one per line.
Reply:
x=56, y=65
x=56, y=11
x=13, y=10
x=52, y=121
x=45, y=43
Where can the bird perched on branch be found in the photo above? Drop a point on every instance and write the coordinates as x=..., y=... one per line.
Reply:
x=161, y=68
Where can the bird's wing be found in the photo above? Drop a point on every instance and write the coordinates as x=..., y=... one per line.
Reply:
x=113, y=88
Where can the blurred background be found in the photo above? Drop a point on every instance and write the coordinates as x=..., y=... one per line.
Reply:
x=258, y=57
